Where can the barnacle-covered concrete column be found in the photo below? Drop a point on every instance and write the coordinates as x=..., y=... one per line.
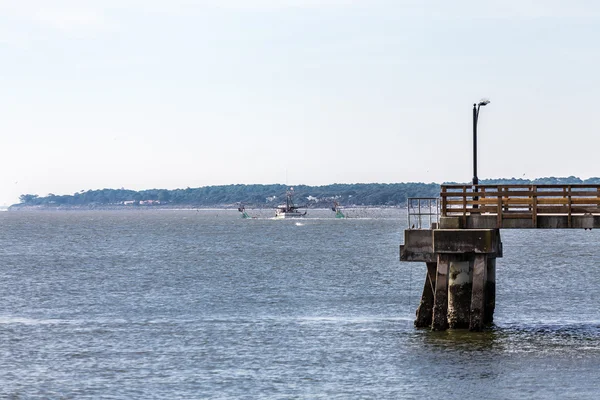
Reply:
x=459, y=289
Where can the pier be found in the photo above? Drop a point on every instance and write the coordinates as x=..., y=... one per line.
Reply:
x=458, y=238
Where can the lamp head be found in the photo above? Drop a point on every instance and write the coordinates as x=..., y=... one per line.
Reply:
x=483, y=102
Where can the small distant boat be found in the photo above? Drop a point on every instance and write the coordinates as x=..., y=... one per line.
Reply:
x=289, y=210
x=242, y=209
x=338, y=211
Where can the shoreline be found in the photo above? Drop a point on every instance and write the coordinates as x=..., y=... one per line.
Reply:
x=18, y=208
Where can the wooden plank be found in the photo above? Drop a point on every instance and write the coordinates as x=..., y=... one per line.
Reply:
x=528, y=201
x=518, y=186
x=486, y=201
x=541, y=210
x=526, y=215
x=465, y=206
x=586, y=200
x=461, y=210
x=470, y=202
x=524, y=194
x=510, y=201
x=527, y=193
x=499, y=212
x=580, y=201
x=562, y=194
x=553, y=201
x=488, y=209
x=564, y=210
x=569, y=219
x=534, y=208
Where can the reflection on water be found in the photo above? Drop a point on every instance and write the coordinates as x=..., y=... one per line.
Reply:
x=518, y=338
x=463, y=340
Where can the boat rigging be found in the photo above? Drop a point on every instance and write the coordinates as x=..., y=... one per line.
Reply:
x=289, y=209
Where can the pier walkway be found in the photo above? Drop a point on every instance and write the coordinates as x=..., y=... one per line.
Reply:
x=520, y=206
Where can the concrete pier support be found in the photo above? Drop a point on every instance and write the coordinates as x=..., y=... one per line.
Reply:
x=460, y=285
x=459, y=294
x=440, y=304
x=425, y=310
x=490, y=291
x=478, y=293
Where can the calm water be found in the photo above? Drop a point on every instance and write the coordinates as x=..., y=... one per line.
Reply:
x=189, y=305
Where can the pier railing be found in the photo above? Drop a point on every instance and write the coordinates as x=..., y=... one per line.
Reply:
x=519, y=201
x=423, y=212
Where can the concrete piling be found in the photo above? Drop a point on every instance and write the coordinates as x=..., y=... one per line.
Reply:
x=440, y=302
x=459, y=294
x=477, y=310
x=425, y=311
x=490, y=291
x=459, y=289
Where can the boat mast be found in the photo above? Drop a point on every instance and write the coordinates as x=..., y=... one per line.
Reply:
x=289, y=201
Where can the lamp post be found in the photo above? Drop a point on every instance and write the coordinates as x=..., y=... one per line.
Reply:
x=476, y=107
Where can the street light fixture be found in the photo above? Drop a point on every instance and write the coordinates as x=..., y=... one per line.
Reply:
x=476, y=107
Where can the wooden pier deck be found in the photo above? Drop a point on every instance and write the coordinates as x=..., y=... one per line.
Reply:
x=519, y=206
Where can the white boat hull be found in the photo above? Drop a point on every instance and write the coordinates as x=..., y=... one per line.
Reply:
x=284, y=215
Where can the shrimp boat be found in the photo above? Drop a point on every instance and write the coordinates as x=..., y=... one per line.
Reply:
x=338, y=210
x=242, y=209
x=289, y=210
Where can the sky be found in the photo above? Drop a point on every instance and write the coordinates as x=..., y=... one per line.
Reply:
x=156, y=94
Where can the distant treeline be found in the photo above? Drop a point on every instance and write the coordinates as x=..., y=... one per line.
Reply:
x=359, y=194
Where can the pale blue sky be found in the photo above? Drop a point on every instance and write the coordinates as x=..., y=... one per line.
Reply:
x=168, y=94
